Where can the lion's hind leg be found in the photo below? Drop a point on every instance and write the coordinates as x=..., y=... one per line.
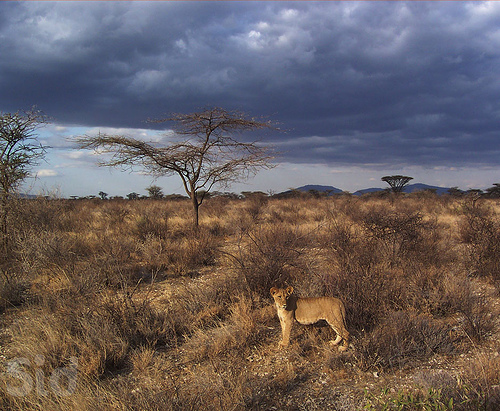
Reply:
x=342, y=335
x=337, y=340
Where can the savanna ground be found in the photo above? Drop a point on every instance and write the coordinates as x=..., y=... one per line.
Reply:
x=160, y=316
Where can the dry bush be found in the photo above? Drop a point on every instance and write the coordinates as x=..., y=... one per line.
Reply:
x=40, y=251
x=100, y=332
x=151, y=225
x=367, y=295
x=348, y=249
x=236, y=333
x=180, y=255
x=384, y=257
x=473, y=387
x=455, y=294
x=201, y=305
x=255, y=204
x=401, y=234
x=287, y=213
x=370, y=294
x=359, y=275
x=215, y=386
x=195, y=249
x=12, y=288
x=479, y=230
x=268, y=255
x=169, y=243
x=404, y=337
x=480, y=383
x=44, y=214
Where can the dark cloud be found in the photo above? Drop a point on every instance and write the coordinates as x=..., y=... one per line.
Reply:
x=353, y=82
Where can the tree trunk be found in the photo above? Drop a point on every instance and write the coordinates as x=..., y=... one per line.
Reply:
x=3, y=224
x=196, y=206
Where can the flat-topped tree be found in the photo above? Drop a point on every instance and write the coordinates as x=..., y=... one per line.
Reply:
x=397, y=183
x=204, y=154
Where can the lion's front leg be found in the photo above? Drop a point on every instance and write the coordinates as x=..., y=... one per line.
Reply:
x=286, y=329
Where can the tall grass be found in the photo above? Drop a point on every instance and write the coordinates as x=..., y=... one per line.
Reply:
x=161, y=316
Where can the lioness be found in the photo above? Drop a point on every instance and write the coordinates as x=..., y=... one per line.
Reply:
x=310, y=311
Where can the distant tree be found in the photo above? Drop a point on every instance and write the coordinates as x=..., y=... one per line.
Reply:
x=254, y=194
x=132, y=196
x=397, y=182
x=155, y=192
x=455, y=192
x=477, y=192
x=224, y=194
x=493, y=192
x=20, y=150
x=290, y=193
x=103, y=195
x=175, y=197
x=205, y=155
x=317, y=194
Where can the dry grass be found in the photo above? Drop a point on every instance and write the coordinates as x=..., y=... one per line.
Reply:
x=160, y=316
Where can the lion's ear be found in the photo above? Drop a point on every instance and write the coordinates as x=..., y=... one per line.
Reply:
x=273, y=290
x=289, y=290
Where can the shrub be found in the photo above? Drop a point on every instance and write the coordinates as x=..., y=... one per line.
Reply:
x=149, y=224
x=401, y=234
x=193, y=250
x=269, y=255
x=12, y=289
x=367, y=295
x=432, y=399
x=404, y=337
x=479, y=230
x=237, y=333
x=347, y=248
x=100, y=332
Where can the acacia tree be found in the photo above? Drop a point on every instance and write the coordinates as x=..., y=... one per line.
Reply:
x=133, y=196
x=493, y=192
x=397, y=183
x=20, y=150
x=155, y=192
x=204, y=154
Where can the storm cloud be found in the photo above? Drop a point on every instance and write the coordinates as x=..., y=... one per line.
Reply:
x=353, y=83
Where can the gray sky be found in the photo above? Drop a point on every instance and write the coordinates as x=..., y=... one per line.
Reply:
x=365, y=89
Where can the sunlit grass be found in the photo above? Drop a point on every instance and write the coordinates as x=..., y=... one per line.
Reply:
x=162, y=316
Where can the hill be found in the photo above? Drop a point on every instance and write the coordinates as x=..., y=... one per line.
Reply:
x=420, y=187
x=411, y=188
x=320, y=188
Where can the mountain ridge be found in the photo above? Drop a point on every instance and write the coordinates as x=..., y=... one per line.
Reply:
x=410, y=188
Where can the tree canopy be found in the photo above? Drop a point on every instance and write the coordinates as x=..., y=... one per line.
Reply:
x=20, y=150
x=397, y=182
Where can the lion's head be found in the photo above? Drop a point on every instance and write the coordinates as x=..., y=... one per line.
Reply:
x=281, y=296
